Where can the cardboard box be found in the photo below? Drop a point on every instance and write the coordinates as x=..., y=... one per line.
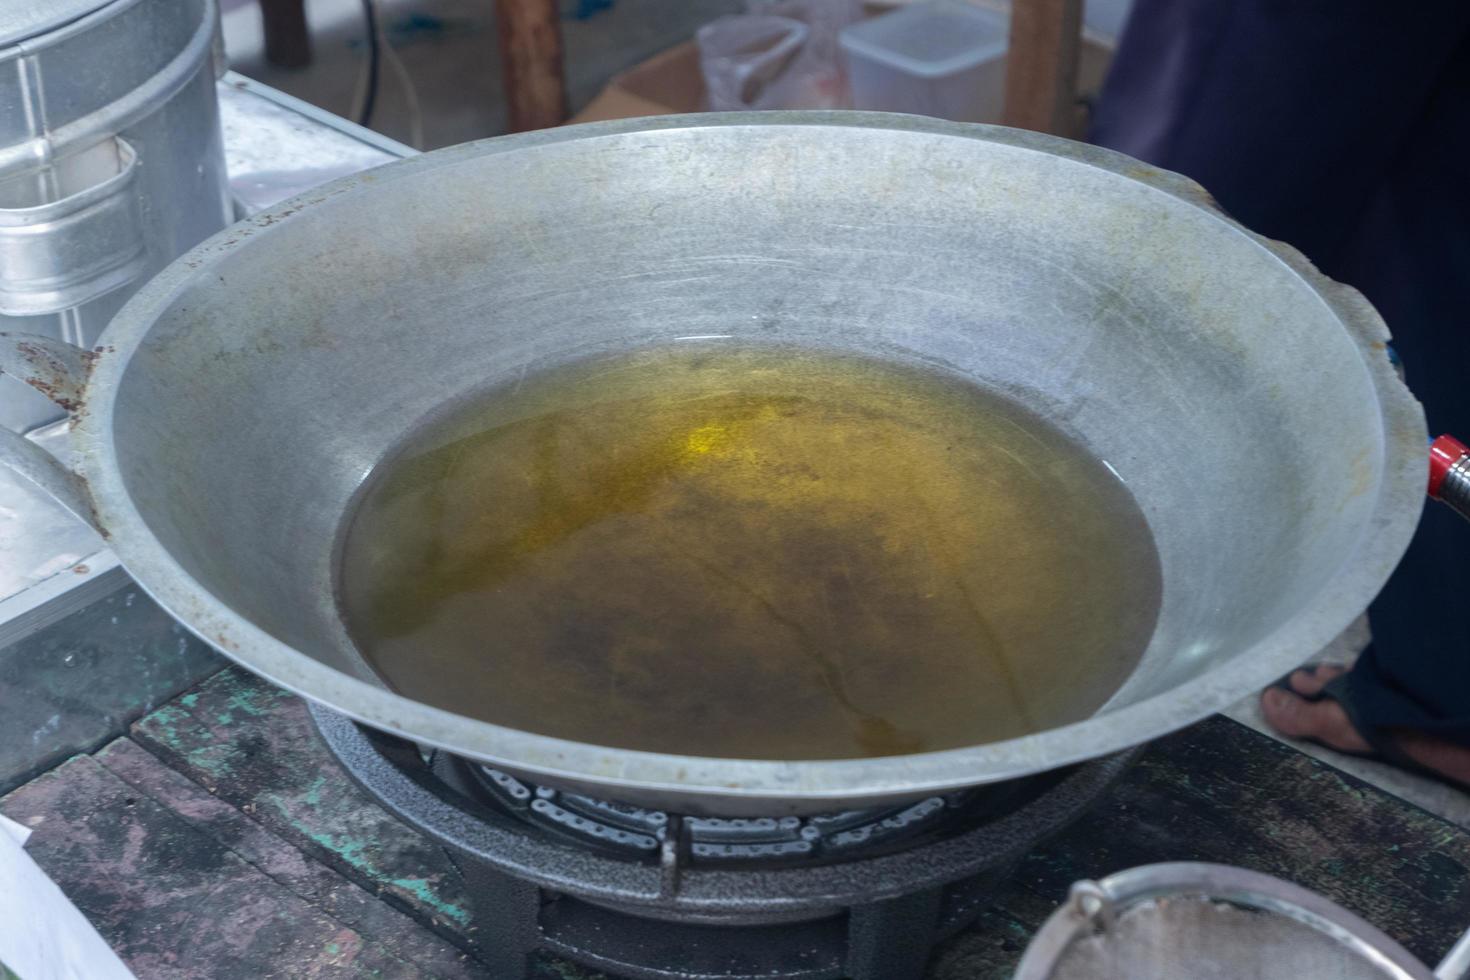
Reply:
x=668, y=82
x=671, y=82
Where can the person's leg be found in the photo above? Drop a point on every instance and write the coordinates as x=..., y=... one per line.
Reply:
x=1341, y=131
x=1288, y=113
x=1411, y=258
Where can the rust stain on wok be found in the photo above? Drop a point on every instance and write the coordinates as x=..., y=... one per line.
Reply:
x=265, y=221
x=1361, y=470
x=54, y=381
x=54, y=393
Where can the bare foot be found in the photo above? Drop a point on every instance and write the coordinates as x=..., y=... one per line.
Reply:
x=1325, y=721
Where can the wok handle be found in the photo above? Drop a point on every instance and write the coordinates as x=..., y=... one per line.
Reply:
x=1449, y=474
x=59, y=371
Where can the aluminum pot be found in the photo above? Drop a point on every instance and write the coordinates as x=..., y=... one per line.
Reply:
x=243, y=395
x=111, y=162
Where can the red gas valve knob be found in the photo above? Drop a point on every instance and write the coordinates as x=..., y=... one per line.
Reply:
x=1449, y=474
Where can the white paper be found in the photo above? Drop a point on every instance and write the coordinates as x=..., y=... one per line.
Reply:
x=42, y=935
x=17, y=833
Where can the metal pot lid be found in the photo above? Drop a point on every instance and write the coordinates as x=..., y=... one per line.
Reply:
x=1214, y=922
x=21, y=20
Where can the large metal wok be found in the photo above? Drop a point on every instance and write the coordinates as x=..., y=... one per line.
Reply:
x=239, y=400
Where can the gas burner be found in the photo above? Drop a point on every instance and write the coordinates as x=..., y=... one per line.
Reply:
x=649, y=895
x=638, y=833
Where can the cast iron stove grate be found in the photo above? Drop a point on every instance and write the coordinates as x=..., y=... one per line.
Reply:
x=649, y=895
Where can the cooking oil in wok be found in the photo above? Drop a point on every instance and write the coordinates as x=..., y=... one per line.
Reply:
x=746, y=552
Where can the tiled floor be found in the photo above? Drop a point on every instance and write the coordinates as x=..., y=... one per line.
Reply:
x=217, y=840
x=80, y=682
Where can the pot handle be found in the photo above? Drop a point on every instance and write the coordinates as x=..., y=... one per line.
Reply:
x=59, y=371
x=59, y=254
x=1449, y=474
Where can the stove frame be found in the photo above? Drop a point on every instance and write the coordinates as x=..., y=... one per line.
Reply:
x=876, y=915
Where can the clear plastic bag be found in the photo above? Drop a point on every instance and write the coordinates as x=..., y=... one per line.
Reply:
x=780, y=54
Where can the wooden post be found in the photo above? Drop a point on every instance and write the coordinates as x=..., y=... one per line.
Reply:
x=530, y=55
x=1041, y=68
x=287, y=39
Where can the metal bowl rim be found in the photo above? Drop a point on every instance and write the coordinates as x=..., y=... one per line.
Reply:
x=1220, y=883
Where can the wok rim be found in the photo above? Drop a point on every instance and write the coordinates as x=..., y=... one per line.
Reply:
x=702, y=782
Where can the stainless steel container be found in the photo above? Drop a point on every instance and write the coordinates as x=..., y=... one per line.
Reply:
x=241, y=398
x=1216, y=922
x=111, y=163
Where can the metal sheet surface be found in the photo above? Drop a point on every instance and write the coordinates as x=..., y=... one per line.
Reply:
x=275, y=146
x=21, y=20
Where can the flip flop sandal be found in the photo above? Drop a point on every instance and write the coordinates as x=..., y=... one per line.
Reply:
x=1381, y=748
x=1284, y=681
